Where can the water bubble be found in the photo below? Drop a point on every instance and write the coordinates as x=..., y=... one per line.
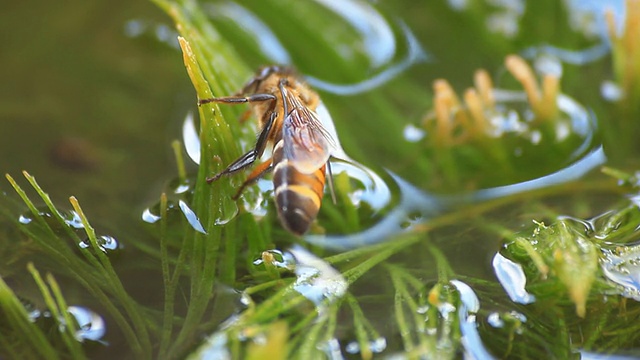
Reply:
x=190, y=138
x=23, y=219
x=181, y=187
x=92, y=325
x=73, y=220
x=413, y=133
x=149, y=217
x=495, y=320
x=191, y=217
x=512, y=278
x=106, y=243
x=376, y=346
x=276, y=258
x=611, y=91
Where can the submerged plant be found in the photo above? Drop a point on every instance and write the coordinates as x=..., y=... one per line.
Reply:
x=626, y=50
x=499, y=129
x=235, y=284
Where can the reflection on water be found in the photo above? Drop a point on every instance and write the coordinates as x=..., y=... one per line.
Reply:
x=190, y=138
x=469, y=307
x=316, y=279
x=377, y=35
x=622, y=266
x=414, y=200
x=265, y=39
x=513, y=279
x=162, y=33
x=92, y=326
x=588, y=17
x=415, y=54
x=378, y=41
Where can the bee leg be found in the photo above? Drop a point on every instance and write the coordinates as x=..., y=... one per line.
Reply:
x=251, y=156
x=330, y=182
x=238, y=99
x=242, y=162
x=256, y=174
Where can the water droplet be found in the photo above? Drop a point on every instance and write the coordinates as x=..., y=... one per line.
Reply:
x=277, y=258
x=611, y=91
x=92, y=326
x=191, y=217
x=150, y=217
x=24, y=219
x=73, y=220
x=495, y=320
x=190, y=138
x=512, y=278
x=106, y=243
x=376, y=346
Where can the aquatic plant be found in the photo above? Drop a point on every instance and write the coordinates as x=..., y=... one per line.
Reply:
x=402, y=278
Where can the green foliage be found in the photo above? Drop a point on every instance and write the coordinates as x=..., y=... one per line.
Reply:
x=235, y=279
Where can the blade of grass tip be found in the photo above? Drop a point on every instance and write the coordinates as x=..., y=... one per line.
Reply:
x=209, y=206
x=141, y=333
x=36, y=215
x=177, y=153
x=87, y=280
x=18, y=319
x=64, y=251
x=58, y=315
x=54, y=212
x=73, y=343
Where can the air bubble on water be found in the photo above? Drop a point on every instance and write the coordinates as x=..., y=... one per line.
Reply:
x=91, y=325
x=191, y=217
x=512, y=278
x=106, y=243
x=75, y=221
x=149, y=217
x=24, y=219
x=495, y=320
x=190, y=138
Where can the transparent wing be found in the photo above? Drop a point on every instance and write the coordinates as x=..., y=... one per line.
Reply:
x=307, y=144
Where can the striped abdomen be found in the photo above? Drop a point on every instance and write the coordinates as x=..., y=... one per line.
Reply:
x=298, y=195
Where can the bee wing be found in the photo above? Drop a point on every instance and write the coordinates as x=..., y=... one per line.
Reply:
x=307, y=144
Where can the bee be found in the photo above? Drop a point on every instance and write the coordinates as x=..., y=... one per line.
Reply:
x=302, y=143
